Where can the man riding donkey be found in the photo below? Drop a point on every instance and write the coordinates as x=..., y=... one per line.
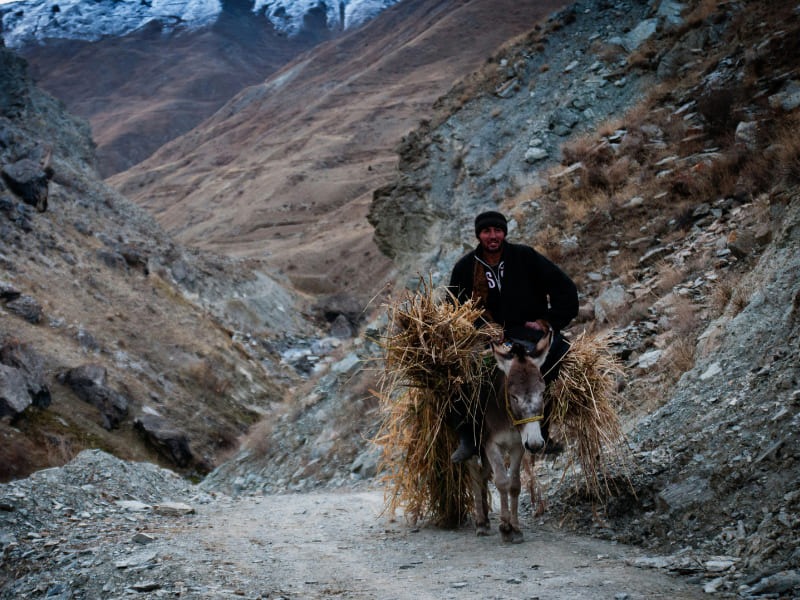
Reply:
x=524, y=293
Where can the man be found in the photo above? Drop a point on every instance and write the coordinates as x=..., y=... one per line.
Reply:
x=516, y=286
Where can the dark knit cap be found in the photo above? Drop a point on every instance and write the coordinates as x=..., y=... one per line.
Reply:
x=490, y=218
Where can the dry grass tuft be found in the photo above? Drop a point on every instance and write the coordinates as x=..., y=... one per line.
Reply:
x=432, y=353
x=680, y=357
x=585, y=404
x=259, y=438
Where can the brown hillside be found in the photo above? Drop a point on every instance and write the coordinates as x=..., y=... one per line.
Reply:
x=286, y=169
x=145, y=89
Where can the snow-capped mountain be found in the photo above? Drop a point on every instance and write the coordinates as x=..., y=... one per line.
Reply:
x=30, y=21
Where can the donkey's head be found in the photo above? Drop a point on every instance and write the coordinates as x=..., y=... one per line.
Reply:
x=520, y=358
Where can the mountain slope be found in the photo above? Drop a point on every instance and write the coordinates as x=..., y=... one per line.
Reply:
x=111, y=335
x=661, y=170
x=286, y=170
x=145, y=73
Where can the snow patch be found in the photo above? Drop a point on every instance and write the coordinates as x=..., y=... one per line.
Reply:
x=31, y=21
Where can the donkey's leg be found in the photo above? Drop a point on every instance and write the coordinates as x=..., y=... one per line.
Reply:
x=480, y=479
x=502, y=482
x=514, y=487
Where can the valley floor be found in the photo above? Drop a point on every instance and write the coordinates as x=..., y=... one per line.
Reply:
x=91, y=531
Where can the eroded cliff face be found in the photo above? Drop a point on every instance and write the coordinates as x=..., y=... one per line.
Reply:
x=498, y=131
x=645, y=147
x=111, y=335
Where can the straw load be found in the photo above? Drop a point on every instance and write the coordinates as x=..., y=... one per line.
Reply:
x=433, y=353
x=584, y=404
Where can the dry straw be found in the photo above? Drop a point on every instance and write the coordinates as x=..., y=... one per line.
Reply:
x=584, y=404
x=433, y=353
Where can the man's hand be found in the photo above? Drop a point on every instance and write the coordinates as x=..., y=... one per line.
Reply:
x=539, y=325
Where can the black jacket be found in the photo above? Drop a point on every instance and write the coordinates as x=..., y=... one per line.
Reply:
x=525, y=286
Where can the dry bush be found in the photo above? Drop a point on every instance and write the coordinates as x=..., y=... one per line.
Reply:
x=637, y=311
x=60, y=449
x=684, y=319
x=607, y=53
x=785, y=150
x=730, y=296
x=699, y=13
x=618, y=173
x=740, y=298
x=547, y=241
x=668, y=277
x=721, y=177
x=18, y=456
x=675, y=129
x=624, y=266
x=602, y=169
x=575, y=208
x=640, y=113
x=634, y=146
x=680, y=356
x=717, y=106
x=259, y=437
x=577, y=149
x=720, y=297
x=204, y=374
x=643, y=57
x=609, y=127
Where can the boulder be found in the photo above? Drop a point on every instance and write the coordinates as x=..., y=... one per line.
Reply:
x=30, y=367
x=14, y=397
x=30, y=181
x=168, y=441
x=610, y=302
x=26, y=307
x=8, y=292
x=89, y=384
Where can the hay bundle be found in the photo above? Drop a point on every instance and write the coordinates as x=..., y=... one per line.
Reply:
x=584, y=402
x=433, y=352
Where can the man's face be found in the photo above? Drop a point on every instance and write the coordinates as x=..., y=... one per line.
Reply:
x=491, y=239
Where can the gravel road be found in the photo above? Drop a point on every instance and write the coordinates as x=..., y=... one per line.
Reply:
x=103, y=528
x=341, y=545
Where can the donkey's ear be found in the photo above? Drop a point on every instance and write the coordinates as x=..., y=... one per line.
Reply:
x=503, y=355
x=539, y=354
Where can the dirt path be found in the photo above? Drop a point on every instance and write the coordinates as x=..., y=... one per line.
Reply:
x=339, y=545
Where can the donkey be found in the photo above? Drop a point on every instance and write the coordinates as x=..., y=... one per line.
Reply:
x=514, y=409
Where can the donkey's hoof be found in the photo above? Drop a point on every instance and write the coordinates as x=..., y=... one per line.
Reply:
x=511, y=535
x=483, y=529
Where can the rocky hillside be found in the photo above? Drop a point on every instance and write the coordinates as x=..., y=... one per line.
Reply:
x=649, y=148
x=111, y=335
x=664, y=177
